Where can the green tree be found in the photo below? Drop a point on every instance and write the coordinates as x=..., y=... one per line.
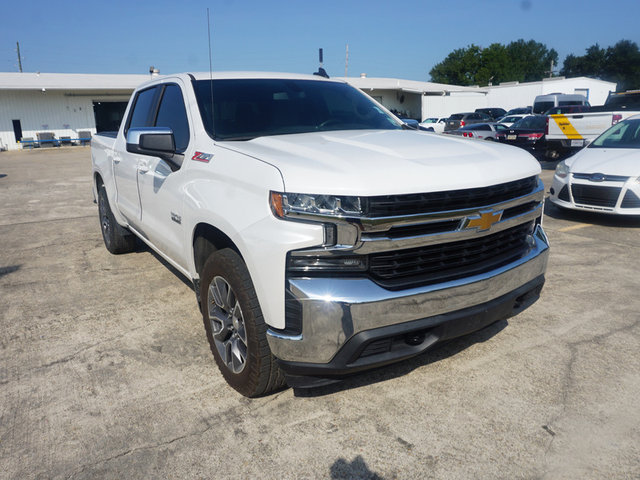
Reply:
x=459, y=67
x=530, y=61
x=620, y=64
x=520, y=60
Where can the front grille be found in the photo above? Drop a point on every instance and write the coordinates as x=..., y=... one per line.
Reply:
x=564, y=194
x=411, y=204
x=449, y=261
x=604, y=178
x=598, y=196
x=630, y=200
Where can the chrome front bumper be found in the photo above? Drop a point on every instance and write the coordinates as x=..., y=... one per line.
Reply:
x=335, y=310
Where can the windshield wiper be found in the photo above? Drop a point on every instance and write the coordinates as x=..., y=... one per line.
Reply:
x=237, y=139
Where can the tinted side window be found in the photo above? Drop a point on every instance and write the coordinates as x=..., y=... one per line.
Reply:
x=141, y=115
x=172, y=114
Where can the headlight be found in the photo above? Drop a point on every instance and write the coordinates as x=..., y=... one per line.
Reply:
x=285, y=204
x=562, y=170
x=352, y=263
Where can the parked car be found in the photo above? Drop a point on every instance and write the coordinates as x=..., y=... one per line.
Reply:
x=567, y=109
x=458, y=120
x=542, y=103
x=509, y=120
x=316, y=250
x=528, y=133
x=493, y=112
x=410, y=122
x=433, y=124
x=480, y=131
x=520, y=111
x=604, y=176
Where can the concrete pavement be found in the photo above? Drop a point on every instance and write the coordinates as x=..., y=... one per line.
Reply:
x=105, y=371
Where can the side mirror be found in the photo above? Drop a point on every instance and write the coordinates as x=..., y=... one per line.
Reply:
x=154, y=141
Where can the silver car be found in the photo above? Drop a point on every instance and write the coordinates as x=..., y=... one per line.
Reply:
x=480, y=131
x=458, y=120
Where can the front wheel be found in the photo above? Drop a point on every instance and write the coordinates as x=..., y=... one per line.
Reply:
x=235, y=327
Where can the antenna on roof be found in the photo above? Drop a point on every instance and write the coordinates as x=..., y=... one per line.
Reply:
x=321, y=71
x=210, y=69
x=19, y=57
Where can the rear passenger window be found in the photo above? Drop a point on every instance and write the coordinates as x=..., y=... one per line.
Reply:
x=141, y=115
x=173, y=114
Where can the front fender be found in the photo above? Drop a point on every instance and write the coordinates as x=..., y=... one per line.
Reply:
x=234, y=198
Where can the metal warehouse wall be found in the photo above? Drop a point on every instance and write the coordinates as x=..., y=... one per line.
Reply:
x=456, y=102
x=50, y=111
x=522, y=95
x=514, y=95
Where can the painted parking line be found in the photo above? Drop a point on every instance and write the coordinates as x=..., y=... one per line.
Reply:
x=575, y=227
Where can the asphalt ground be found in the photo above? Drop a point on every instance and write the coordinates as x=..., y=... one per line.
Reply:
x=105, y=371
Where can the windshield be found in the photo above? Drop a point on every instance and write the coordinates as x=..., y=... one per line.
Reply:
x=248, y=108
x=539, y=107
x=622, y=135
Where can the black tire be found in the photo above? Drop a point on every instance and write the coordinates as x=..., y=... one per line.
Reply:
x=490, y=139
x=235, y=326
x=116, y=238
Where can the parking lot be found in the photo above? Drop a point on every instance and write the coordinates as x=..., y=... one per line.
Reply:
x=105, y=371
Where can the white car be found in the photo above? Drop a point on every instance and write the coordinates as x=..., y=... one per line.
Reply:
x=509, y=120
x=435, y=123
x=605, y=176
x=320, y=235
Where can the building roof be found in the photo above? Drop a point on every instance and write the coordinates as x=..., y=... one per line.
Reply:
x=69, y=81
x=554, y=79
x=412, y=86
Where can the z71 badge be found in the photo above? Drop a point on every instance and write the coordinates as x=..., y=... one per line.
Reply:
x=202, y=157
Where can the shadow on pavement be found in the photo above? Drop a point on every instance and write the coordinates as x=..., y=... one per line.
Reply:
x=601, y=219
x=357, y=469
x=402, y=368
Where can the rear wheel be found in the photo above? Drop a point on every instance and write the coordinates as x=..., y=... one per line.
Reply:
x=235, y=327
x=116, y=238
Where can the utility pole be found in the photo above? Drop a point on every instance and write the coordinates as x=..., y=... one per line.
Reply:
x=19, y=59
x=346, y=62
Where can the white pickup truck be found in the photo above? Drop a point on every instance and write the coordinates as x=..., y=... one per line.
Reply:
x=572, y=131
x=321, y=235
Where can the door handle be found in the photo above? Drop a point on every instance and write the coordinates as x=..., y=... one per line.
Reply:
x=143, y=166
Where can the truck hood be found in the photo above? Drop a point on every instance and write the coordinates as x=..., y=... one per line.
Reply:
x=610, y=161
x=381, y=162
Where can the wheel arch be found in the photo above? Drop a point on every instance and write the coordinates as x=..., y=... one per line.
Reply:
x=97, y=180
x=207, y=239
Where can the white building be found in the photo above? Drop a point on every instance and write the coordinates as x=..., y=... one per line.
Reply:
x=64, y=105
x=61, y=104
x=420, y=100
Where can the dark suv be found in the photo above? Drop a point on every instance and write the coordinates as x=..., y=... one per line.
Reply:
x=494, y=113
x=458, y=120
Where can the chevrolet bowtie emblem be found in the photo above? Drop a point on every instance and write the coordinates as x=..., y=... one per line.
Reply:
x=484, y=220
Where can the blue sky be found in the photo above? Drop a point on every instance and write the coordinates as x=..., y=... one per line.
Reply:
x=402, y=39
